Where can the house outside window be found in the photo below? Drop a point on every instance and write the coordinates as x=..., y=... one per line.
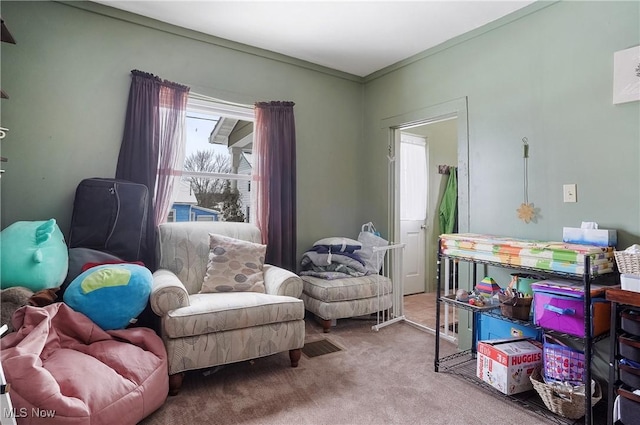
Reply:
x=217, y=162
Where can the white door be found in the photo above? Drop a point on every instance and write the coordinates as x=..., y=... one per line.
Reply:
x=413, y=210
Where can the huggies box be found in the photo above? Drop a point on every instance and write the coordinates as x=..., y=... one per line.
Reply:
x=507, y=364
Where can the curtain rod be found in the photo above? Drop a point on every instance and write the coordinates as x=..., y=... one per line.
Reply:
x=198, y=96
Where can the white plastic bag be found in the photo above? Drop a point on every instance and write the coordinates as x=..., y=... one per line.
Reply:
x=370, y=238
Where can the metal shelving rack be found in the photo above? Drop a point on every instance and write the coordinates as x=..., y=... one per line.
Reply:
x=462, y=364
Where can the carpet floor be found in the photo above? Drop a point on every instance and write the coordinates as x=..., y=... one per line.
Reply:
x=383, y=377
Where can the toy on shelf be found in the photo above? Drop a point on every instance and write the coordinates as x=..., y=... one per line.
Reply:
x=488, y=287
x=473, y=298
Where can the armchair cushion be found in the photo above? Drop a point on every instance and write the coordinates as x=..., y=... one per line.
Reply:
x=209, y=313
x=183, y=247
x=234, y=266
x=167, y=293
x=279, y=281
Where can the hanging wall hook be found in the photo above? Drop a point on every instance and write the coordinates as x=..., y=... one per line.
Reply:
x=390, y=156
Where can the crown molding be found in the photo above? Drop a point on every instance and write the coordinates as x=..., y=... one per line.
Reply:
x=507, y=19
x=151, y=23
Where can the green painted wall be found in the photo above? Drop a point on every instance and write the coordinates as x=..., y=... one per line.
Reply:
x=68, y=79
x=547, y=76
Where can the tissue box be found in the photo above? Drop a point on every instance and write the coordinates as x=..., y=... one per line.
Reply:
x=507, y=365
x=598, y=237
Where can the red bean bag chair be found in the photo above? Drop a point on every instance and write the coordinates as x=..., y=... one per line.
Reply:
x=64, y=369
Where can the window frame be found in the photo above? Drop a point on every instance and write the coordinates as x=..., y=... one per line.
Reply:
x=210, y=106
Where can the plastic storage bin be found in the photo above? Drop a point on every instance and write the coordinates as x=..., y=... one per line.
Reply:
x=630, y=375
x=630, y=282
x=629, y=406
x=566, y=314
x=524, y=281
x=630, y=322
x=561, y=362
x=629, y=347
x=491, y=327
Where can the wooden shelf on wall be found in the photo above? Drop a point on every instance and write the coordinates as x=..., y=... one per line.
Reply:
x=5, y=35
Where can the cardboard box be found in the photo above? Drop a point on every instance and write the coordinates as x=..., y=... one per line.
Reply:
x=507, y=364
x=597, y=237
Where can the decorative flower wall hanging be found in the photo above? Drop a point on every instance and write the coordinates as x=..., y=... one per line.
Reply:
x=527, y=211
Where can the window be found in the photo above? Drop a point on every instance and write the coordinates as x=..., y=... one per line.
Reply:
x=172, y=215
x=217, y=161
x=413, y=177
x=205, y=218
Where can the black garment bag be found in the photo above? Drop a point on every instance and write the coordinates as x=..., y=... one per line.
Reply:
x=110, y=215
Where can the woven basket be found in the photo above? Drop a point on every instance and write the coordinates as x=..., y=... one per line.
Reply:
x=564, y=403
x=628, y=263
x=515, y=307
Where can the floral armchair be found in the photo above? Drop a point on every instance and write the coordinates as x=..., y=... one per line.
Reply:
x=202, y=330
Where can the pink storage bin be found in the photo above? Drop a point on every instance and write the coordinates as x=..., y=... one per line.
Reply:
x=566, y=314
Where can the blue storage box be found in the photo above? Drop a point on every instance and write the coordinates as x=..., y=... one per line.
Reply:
x=492, y=327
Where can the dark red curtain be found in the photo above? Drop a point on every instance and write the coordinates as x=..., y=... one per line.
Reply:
x=275, y=177
x=140, y=149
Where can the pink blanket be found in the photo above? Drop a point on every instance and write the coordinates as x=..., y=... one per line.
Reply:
x=64, y=369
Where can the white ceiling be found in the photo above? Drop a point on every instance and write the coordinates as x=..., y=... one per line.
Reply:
x=357, y=37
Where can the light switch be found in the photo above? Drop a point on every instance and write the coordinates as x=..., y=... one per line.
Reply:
x=569, y=193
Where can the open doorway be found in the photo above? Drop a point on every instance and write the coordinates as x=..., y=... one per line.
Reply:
x=445, y=131
x=422, y=187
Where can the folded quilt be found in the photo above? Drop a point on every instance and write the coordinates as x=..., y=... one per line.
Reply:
x=328, y=275
x=597, y=267
x=544, y=255
x=331, y=265
x=325, y=249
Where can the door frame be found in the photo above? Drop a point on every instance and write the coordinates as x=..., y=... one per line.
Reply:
x=457, y=108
